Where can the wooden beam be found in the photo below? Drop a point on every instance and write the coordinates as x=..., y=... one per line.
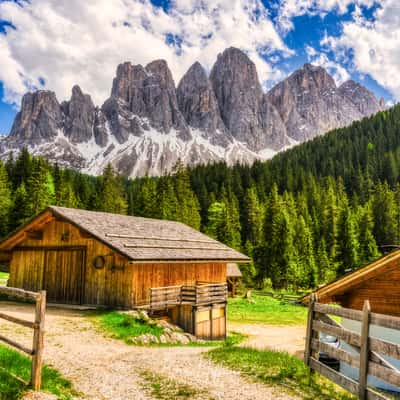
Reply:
x=19, y=321
x=15, y=344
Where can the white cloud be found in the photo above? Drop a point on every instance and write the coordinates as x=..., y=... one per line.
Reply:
x=292, y=8
x=83, y=41
x=373, y=46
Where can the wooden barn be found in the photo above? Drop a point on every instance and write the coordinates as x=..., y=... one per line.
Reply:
x=379, y=283
x=101, y=259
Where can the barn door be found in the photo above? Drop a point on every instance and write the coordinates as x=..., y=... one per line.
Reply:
x=63, y=276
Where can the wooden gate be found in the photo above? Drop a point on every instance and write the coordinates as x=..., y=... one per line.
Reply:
x=59, y=271
x=63, y=277
x=368, y=357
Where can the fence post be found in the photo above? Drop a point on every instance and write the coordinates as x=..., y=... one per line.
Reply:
x=37, y=350
x=309, y=335
x=364, y=352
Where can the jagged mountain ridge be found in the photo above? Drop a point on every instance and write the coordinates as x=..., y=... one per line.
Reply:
x=148, y=123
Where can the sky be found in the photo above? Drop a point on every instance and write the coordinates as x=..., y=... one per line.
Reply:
x=55, y=44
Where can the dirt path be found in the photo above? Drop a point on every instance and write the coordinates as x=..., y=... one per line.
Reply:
x=103, y=368
x=275, y=337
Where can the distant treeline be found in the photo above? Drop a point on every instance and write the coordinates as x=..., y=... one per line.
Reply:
x=304, y=217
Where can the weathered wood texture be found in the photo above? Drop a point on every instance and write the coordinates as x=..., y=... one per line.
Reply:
x=38, y=331
x=381, y=291
x=368, y=361
x=152, y=275
x=60, y=260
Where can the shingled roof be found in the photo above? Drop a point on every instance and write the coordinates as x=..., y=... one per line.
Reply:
x=145, y=239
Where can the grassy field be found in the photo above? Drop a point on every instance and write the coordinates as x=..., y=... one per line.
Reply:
x=125, y=326
x=278, y=368
x=15, y=367
x=265, y=310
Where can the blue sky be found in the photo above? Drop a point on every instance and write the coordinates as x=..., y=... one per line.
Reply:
x=55, y=44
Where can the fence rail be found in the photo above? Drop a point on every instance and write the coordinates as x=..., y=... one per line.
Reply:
x=200, y=294
x=368, y=360
x=38, y=330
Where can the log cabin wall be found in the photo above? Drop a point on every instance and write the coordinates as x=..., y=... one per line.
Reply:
x=152, y=275
x=54, y=259
x=383, y=293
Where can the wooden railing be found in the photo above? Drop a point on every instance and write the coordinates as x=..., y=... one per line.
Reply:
x=368, y=360
x=200, y=294
x=164, y=297
x=38, y=329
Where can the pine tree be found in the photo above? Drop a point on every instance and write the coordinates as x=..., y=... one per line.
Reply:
x=189, y=206
x=167, y=202
x=368, y=250
x=20, y=211
x=110, y=193
x=5, y=201
x=252, y=218
x=304, y=255
x=385, y=213
x=40, y=187
x=348, y=246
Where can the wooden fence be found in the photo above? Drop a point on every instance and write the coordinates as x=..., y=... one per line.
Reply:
x=368, y=360
x=38, y=329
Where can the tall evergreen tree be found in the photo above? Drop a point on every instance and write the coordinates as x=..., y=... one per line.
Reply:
x=5, y=201
x=110, y=193
x=348, y=246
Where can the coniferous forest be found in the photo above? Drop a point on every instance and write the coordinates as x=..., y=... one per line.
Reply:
x=305, y=217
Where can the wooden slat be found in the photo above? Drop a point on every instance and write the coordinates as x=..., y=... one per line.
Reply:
x=334, y=376
x=355, y=315
x=386, y=321
x=349, y=337
x=389, y=375
x=16, y=345
x=385, y=348
x=19, y=321
x=20, y=293
x=337, y=353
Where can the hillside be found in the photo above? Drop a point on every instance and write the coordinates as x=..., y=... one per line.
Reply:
x=305, y=216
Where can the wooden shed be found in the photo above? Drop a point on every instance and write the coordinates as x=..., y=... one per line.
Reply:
x=102, y=259
x=379, y=283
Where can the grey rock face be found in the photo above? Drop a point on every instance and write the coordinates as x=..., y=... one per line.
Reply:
x=310, y=104
x=144, y=93
x=147, y=124
x=40, y=118
x=241, y=102
x=199, y=106
x=80, y=114
x=364, y=100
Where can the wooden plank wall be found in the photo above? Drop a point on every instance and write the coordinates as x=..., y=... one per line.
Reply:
x=107, y=286
x=383, y=293
x=152, y=275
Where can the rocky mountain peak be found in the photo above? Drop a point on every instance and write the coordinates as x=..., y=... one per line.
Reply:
x=199, y=106
x=40, y=117
x=313, y=78
x=364, y=100
x=79, y=116
x=239, y=94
